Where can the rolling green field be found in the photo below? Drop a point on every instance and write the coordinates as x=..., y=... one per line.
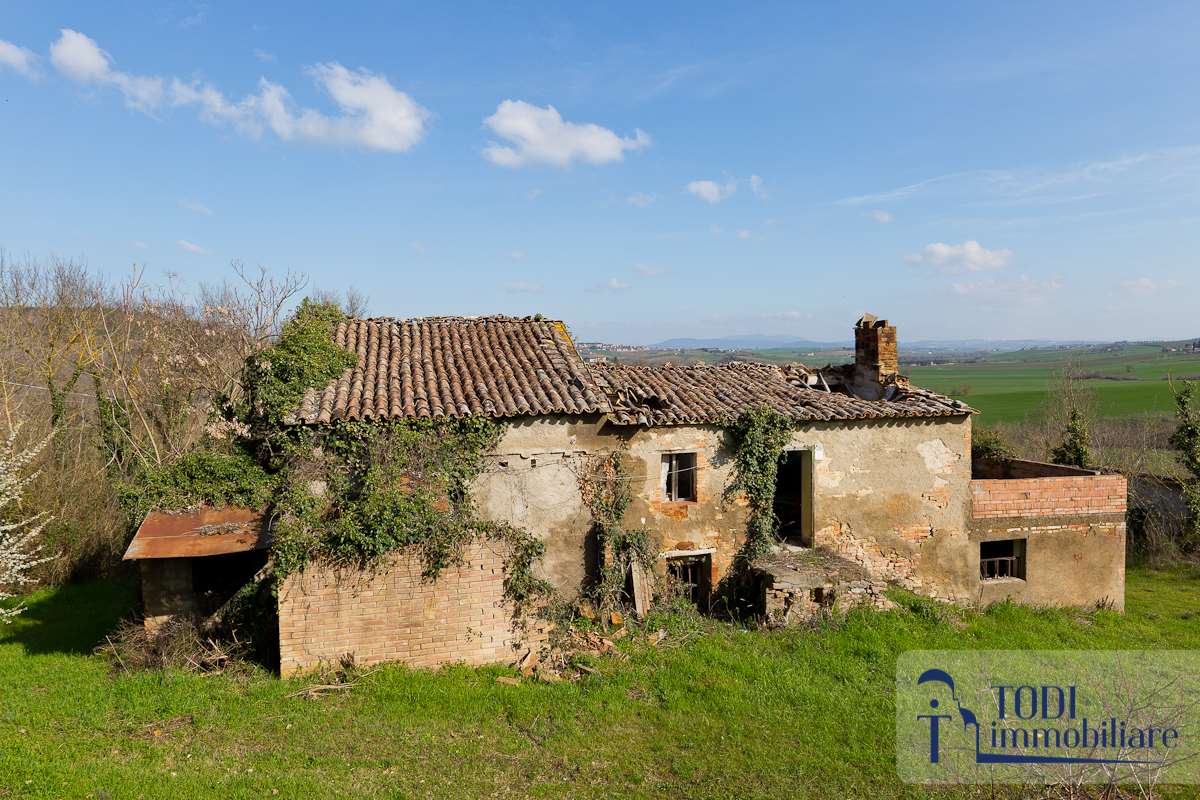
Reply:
x=1007, y=387
x=714, y=711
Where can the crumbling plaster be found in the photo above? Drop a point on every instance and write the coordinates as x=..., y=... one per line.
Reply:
x=892, y=495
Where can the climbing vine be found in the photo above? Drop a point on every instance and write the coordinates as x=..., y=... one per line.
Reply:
x=604, y=484
x=759, y=437
x=346, y=493
x=275, y=379
x=231, y=477
x=355, y=492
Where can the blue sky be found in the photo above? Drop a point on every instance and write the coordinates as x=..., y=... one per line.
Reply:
x=641, y=171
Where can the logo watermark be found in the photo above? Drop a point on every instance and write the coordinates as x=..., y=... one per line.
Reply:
x=1051, y=717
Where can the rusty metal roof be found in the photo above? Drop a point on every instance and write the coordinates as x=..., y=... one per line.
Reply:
x=203, y=531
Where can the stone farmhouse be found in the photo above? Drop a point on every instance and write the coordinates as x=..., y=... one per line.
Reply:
x=876, y=486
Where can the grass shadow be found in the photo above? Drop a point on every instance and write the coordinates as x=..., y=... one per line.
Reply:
x=71, y=618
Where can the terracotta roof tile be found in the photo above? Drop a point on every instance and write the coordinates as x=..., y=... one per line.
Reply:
x=670, y=395
x=510, y=367
x=454, y=367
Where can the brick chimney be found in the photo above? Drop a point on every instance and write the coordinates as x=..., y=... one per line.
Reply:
x=875, y=358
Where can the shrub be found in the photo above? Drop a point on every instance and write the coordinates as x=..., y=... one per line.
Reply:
x=1074, y=450
x=990, y=445
x=1186, y=440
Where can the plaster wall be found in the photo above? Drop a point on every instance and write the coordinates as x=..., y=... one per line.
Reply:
x=893, y=496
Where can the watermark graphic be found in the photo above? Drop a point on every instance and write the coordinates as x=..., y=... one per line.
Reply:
x=1062, y=717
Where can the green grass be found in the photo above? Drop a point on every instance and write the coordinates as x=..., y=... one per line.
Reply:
x=727, y=713
x=1008, y=387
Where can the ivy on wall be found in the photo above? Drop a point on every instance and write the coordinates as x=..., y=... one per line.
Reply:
x=356, y=492
x=758, y=438
x=348, y=493
x=605, y=486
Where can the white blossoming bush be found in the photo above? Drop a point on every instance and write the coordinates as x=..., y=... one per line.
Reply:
x=20, y=545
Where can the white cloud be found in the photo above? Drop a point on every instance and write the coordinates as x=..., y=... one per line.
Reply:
x=649, y=270
x=534, y=193
x=79, y=58
x=264, y=56
x=198, y=208
x=743, y=234
x=18, y=58
x=613, y=285
x=1023, y=290
x=756, y=186
x=190, y=247
x=900, y=193
x=197, y=17
x=372, y=113
x=536, y=135
x=523, y=287
x=641, y=199
x=711, y=191
x=1146, y=285
x=881, y=216
x=789, y=315
x=517, y=255
x=955, y=259
x=138, y=244
x=375, y=115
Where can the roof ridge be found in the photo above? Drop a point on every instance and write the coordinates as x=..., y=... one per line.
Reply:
x=457, y=318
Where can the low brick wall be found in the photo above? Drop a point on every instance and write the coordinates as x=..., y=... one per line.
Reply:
x=1074, y=533
x=392, y=614
x=1047, y=497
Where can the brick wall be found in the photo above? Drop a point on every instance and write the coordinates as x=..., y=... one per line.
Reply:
x=1048, y=497
x=392, y=614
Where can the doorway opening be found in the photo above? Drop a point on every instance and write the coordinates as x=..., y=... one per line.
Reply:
x=693, y=575
x=794, y=497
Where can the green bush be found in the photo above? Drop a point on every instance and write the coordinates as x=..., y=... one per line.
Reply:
x=1074, y=450
x=990, y=445
x=198, y=478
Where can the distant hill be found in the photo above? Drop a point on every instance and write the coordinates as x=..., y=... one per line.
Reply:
x=769, y=342
x=750, y=342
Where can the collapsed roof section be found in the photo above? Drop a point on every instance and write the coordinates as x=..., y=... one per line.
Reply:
x=670, y=395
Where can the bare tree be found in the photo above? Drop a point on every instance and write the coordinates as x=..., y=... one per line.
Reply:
x=132, y=367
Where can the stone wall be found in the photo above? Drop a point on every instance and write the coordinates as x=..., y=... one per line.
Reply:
x=891, y=495
x=532, y=482
x=894, y=496
x=393, y=614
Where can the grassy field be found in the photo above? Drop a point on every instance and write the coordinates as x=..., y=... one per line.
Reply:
x=717, y=712
x=1007, y=387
